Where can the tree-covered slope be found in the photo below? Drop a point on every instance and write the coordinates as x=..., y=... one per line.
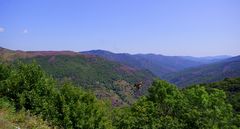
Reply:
x=28, y=89
x=96, y=74
x=206, y=73
x=106, y=78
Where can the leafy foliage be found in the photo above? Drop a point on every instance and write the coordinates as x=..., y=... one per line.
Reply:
x=31, y=89
x=231, y=86
x=168, y=107
x=165, y=106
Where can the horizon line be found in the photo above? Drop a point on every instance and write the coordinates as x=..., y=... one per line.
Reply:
x=137, y=53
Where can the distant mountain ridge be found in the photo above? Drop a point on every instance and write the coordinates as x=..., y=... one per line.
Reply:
x=119, y=71
x=157, y=64
x=180, y=70
x=208, y=59
x=228, y=68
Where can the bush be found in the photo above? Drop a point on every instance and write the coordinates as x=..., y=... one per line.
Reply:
x=32, y=90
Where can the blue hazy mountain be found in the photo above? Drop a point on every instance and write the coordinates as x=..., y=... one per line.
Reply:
x=207, y=59
x=158, y=64
x=227, y=68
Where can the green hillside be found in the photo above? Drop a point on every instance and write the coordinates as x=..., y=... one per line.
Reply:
x=106, y=78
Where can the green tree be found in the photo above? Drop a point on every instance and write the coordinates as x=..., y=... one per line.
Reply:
x=169, y=107
x=69, y=107
x=206, y=110
x=79, y=109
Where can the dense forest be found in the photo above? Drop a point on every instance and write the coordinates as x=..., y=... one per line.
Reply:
x=27, y=91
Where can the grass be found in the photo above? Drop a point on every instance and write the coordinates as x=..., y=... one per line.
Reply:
x=10, y=119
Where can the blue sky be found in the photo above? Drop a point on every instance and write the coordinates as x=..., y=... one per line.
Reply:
x=169, y=27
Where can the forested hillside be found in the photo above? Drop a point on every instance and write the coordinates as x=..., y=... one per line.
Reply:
x=107, y=79
x=206, y=73
x=27, y=88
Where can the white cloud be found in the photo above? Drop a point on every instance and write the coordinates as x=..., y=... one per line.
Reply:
x=2, y=29
x=25, y=31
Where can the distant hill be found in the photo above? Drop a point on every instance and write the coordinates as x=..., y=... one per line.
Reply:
x=106, y=78
x=157, y=64
x=207, y=59
x=206, y=73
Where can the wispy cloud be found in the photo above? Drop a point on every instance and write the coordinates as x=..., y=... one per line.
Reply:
x=2, y=29
x=25, y=31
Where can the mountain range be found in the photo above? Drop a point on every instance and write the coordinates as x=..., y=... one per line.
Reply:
x=160, y=65
x=114, y=75
x=180, y=70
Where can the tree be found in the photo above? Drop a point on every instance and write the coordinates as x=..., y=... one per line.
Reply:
x=80, y=109
x=168, y=107
x=206, y=110
x=69, y=107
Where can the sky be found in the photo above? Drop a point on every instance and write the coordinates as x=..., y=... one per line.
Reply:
x=168, y=27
